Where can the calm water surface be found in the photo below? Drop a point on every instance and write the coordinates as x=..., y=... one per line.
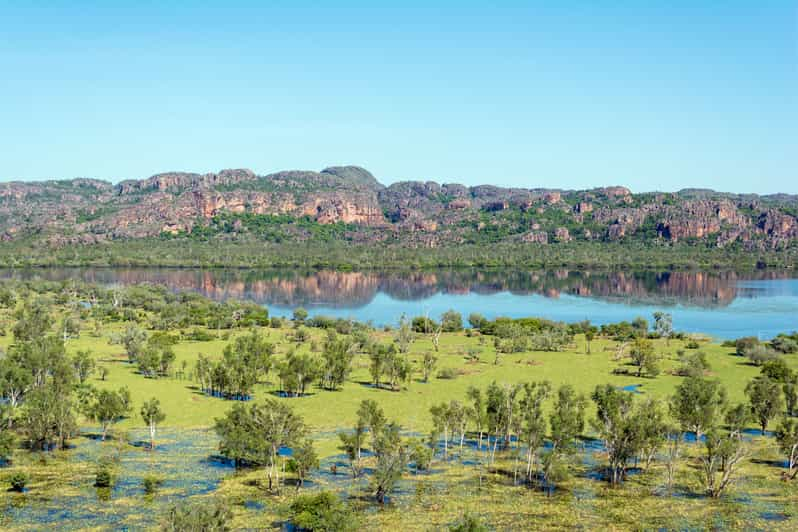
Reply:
x=722, y=304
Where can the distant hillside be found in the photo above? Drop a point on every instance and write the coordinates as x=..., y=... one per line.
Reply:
x=349, y=205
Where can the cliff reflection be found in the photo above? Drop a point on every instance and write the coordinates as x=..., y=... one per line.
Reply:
x=291, y=288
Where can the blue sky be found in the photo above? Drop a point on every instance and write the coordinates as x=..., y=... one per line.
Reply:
x=555, y=94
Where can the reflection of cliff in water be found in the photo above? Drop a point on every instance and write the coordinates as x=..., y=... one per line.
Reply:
x=292, y=288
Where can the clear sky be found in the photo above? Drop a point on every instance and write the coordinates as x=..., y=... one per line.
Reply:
x=556, y=94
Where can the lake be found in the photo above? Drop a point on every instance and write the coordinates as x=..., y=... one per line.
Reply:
x=721, y=304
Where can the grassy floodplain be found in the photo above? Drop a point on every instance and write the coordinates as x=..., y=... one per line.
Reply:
x=433, y=500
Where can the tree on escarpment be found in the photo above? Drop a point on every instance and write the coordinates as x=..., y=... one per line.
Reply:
x=152, y=415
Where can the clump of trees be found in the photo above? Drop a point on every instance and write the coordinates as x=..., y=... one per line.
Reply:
x=255, y=434
x=244, y=363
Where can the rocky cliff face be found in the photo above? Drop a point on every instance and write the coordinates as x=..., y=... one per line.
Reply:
x=413, y=213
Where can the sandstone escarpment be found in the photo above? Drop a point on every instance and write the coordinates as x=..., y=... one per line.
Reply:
x=408, y=213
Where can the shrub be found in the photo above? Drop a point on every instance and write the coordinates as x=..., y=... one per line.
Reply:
x=447, y=373
x=742, y=345
x=18, y=481
x=198, y=517
x=469, y=523
x=151, y=483
x=759, y=354
x=322, y=511
x=451, y=321
x=784, y=344
x=103, y=478
x=198, y=335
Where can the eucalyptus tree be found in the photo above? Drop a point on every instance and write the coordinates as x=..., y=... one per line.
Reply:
x=428, y=364
x=501, y=407
x=567, y=422
x=337, y=356
x=152, y=415
x=33, y=321
x=697, y=404
x=764, y=396
x=7, y=438
x=533, y=427
x=645, y=357
x=84, y=365
x=451, y=321
x=663, y=325
x=441, y=422
x=257, y=432
x=392, y=458
x=134, y=339
x=616, y=425
x=371, y=416
x=478, y=411
x=787, y=437
x=398, y=369
x=303, y=460
x=737, y=417
x=652, y=429
x=47, y=418
x=790, y=390
x=404, y=335
x=724, y=453
x=298, y=371
x=476, y=320
x=15, y=382
x=379, y=356
x=108, y=407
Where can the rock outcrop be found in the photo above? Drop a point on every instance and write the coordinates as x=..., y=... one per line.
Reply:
x=411, y=213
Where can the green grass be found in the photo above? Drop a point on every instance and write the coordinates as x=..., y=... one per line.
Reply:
x=437, y=501
x=329, y=410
